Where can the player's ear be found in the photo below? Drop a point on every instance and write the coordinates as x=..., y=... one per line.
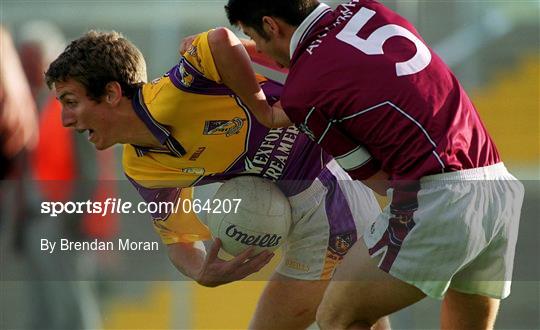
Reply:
x=113, y=93
x=270, y=25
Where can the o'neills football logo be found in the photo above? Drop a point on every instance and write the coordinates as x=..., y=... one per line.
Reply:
x=265, y=241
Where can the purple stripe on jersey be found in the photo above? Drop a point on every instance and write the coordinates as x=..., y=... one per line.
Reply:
x=155, y=195
x=187, y=78
x=162, y=134
x=342, y=226
x=157, y=130
x=282, y=155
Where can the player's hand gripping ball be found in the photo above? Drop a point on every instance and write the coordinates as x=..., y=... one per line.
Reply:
x=262, y=219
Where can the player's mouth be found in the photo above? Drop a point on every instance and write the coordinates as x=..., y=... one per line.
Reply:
x=90, y=133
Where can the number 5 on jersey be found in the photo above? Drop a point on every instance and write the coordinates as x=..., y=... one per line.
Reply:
x=373, y=45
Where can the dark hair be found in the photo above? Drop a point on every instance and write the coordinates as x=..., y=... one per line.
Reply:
x=251, y=12
x=96, y=59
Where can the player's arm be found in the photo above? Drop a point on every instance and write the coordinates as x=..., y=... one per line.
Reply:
x=209, y=270
x=348, y=153
x=183, y=233
x=260, y=57
x=255, y=55
x=188, y=257
x=234, y=66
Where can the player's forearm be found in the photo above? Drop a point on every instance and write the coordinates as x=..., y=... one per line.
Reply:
x=259, y=57
x=188, y=258
x=234, y=67
x=279, y=117
x=271, y=117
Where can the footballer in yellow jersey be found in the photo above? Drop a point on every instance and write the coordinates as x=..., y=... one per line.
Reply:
x=210, y=136
x=188, y=128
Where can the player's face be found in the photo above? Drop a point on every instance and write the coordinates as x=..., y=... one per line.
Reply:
x=268, y=46
x=83, y=114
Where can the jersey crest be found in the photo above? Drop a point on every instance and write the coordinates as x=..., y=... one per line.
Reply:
x=223, y=127
x=341, y=243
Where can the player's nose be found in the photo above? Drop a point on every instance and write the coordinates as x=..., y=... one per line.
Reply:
x=68, y=118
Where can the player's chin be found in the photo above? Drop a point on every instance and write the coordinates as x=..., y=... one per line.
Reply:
x=99, y=145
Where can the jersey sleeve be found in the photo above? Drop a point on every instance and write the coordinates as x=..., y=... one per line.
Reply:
x=200, y=57
x=350, y=155
x=171, y=222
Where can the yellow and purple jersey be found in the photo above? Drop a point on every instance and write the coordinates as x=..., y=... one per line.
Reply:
x=209, y=135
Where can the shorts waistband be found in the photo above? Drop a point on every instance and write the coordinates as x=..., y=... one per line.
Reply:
x=480, y=173
x=315, y=188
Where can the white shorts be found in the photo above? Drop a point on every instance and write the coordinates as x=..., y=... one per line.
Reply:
x=327, y=219
x=461, y=236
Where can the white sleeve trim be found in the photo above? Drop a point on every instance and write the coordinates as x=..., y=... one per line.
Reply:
x=354, y=158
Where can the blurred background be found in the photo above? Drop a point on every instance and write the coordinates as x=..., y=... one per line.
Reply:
x=493, y=47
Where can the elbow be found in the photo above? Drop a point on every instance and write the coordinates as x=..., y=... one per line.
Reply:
x=221, y=37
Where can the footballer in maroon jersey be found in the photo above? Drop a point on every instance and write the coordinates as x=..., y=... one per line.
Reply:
x=364, y=85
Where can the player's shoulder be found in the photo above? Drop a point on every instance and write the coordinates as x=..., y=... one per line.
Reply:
x=130, y=161
x=218, y=36
x=199, y=55
x=150, y=91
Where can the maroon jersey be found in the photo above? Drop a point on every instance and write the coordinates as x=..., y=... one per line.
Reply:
x=364, y=85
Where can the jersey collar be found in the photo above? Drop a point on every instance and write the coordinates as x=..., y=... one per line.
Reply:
x=162, y=134
x=305, y=27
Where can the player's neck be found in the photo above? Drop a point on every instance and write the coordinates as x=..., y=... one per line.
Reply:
x=283, y=42
x=134, y=130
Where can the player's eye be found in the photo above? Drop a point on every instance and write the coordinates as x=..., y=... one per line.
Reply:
x=70, y=104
